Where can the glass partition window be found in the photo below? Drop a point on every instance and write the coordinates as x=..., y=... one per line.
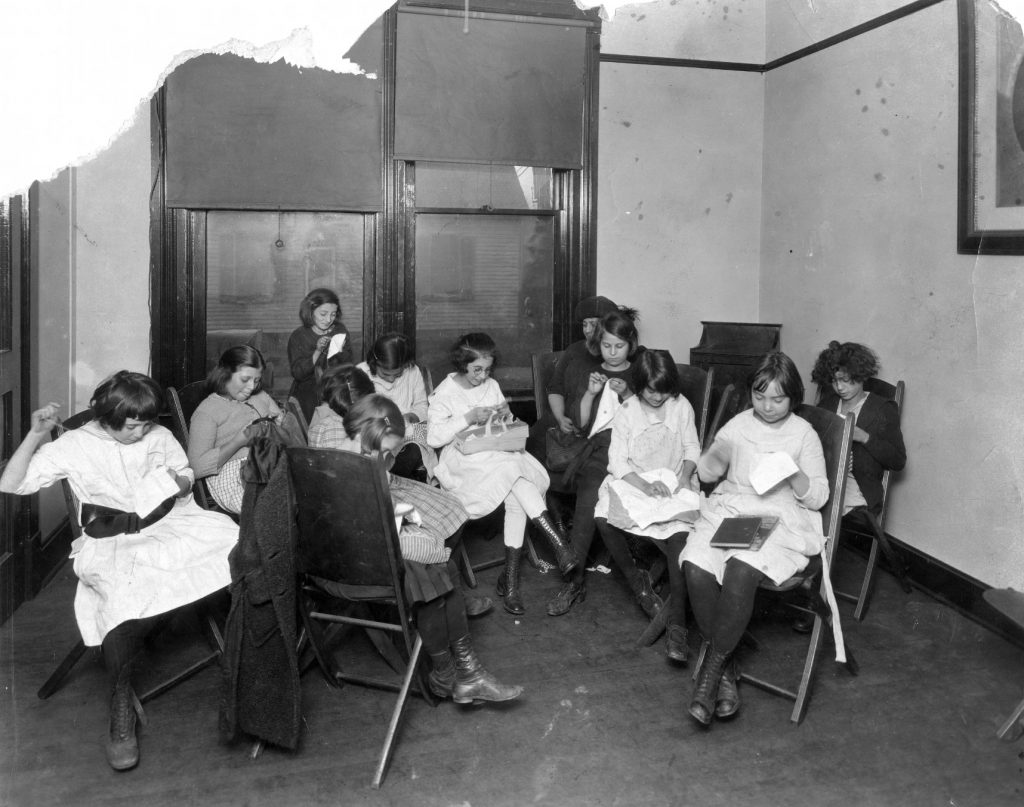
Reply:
x=260, y=265
x=495, y=187
x=491, y=273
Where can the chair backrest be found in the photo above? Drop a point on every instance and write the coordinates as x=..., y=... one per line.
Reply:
x=292, y=405
x=543, y=369
x=183, y=402
x=346, y=520
x=731, y=401
x=428, y=378
x=836, y=435
x=884, y=389
x=697, y=383
x=70, y=499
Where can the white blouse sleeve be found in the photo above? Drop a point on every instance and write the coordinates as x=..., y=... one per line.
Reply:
x=812, y=462
x=445, y=417
x=618, y=451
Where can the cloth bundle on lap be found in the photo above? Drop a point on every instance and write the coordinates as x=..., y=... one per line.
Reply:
x=631, y=510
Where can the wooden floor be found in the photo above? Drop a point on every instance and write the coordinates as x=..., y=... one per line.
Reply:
x=601, y=722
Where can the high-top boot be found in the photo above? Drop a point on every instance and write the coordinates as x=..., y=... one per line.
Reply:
x=564, y=555
x=728, y=702
x=442, y=677
x=122, y=744
x=472, y=682
x=508, y=581
x=702, y=708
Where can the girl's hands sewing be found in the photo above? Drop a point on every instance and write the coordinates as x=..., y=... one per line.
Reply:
x=479, y=415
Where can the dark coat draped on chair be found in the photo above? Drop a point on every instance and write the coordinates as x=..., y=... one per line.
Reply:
x=262, y=695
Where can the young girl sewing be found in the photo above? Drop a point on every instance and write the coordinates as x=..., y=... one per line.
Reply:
x=218, y=435
x=139, y=556
x=320, y=312
x=484, y=480
x=391, y=365
x=653, y=430
x=592, y=394
x=840, y=372
x=375, y=424
x=340, y=387
x=722, y=582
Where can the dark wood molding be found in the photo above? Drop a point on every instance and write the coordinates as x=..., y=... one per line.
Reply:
x=817, y=47
x=951, y=587
x=663, y=61
x=878, y=22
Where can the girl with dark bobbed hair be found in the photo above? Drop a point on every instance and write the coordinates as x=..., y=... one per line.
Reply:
x=840, y=373
x=146, y=547
x=486, y=479
x=722, y=582
x=654, y=429
x=218, y=435
x=391, y=366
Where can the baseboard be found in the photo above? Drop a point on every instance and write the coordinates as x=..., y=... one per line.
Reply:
x=951, y=587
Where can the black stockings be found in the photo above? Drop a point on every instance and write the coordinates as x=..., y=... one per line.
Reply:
x=441, y=621
x=723, y=612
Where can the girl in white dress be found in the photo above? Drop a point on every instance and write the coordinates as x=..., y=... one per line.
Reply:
x=147, y=547
x=392, y=368
x=722, y=582
x=484, y=480
x=654, y=429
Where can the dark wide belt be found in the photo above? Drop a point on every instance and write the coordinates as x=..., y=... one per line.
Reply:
x=106, y=522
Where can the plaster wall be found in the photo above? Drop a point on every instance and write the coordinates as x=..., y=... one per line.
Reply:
x=716, y=30
x=794, y=24
x=859, y=244
x=112, y=260
x=52, y=322
x=679, y=198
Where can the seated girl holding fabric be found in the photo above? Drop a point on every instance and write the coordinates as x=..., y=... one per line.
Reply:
x=722, y=582
x=218, y=435
x=375, y=424
x=653, y=430
x=139, y=557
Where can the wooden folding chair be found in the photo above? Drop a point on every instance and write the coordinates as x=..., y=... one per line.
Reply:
x=183, y=403
x=1010, y=603
x=727, y=408
x=348, y=554
x=292, y=405
x=836, y=435
x=862, y=522
x=697, y=385
x=209, y=625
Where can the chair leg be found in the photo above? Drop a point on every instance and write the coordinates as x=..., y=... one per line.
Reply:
x=867, y=583
x=890, y=553
x=1015, y=719
x=54, y=681
x=531, y=553
x=467, y=567
x=396, y=714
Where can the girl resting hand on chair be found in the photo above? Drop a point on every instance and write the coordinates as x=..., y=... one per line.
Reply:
x=722, y=582
x=133, y=562
x=375, y=424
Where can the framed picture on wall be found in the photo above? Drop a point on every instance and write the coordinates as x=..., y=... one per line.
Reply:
x=991, y=170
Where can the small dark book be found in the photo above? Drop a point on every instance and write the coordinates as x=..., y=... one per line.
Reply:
x=744, y=532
